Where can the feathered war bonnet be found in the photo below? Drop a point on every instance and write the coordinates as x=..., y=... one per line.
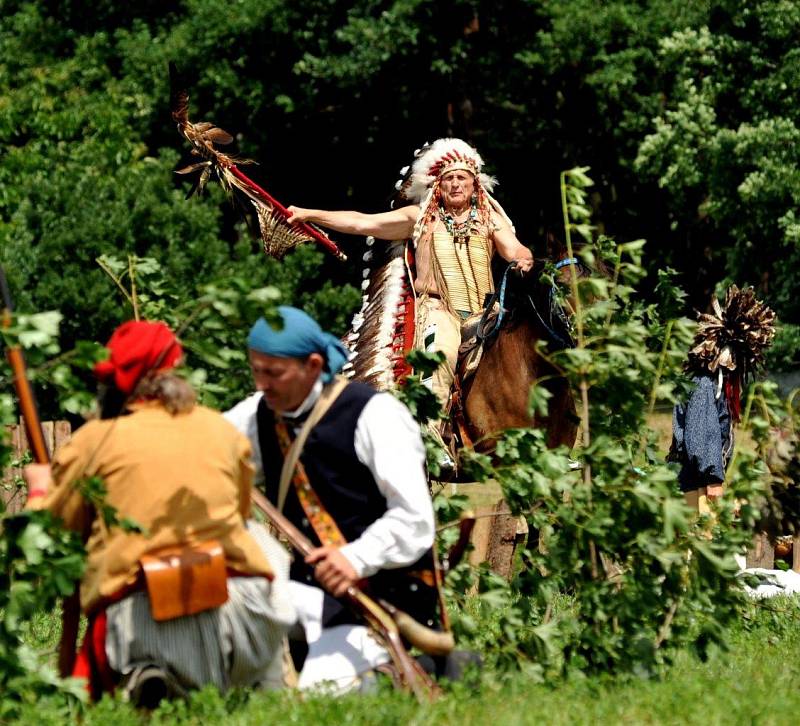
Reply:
x=731, y=340
x=420, y=182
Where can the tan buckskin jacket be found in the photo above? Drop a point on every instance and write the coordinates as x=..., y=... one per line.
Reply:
x=184, y=478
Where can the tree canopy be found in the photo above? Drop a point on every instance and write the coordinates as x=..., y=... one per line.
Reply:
x=686, y=113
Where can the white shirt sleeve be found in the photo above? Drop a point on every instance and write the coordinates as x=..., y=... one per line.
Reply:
x=243, y=417
x=388, y=443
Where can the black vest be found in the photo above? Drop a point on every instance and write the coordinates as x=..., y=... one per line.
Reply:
x=347, y=490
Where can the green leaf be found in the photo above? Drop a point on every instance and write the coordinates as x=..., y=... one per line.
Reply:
x=34, y=542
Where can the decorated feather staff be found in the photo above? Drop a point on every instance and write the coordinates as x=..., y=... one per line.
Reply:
x=732, y=340
x=277, y=233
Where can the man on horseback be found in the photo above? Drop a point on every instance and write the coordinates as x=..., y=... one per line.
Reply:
x=456, y=227
x=352, y=481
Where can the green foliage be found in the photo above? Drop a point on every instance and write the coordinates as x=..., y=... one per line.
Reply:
x=62, y=375
x=87, y=171
x=91, y=146
x=784, y=352
x=725, y=145
x=420, y=399
x=686, y=111
x=775, y=425
x=40, y=563
x=651, y=95
x=424, y=405
x=755, y=681
x=644, y=578
x=211, y=322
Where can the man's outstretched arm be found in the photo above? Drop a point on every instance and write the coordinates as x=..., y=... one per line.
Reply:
x=397, y=224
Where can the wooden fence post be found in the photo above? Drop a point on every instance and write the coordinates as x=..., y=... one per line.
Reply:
x=56, y=433
x=495, y=538
x=761, y=553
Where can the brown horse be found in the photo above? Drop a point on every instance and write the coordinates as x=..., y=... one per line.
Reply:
x=496, y=397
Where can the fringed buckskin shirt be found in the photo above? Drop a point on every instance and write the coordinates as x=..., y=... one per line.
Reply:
x=466, y=268
x=184, y=478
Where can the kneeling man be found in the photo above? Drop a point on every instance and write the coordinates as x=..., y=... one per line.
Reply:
x=360, y=493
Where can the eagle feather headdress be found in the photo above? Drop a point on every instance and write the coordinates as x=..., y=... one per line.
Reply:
x=735, y=336
x=419, y=183
x=438, y=158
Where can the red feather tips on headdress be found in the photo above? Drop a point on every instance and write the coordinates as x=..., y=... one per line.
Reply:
x=437, y=158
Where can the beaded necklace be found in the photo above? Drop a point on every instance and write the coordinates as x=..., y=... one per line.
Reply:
x=460, y=231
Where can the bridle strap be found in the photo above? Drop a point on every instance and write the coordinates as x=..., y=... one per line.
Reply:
x=567, y=261
x=555, y=336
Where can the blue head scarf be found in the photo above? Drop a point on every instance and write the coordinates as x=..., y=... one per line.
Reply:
x=301, y=336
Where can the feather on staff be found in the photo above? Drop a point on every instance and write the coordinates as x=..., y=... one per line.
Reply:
x=277, y=233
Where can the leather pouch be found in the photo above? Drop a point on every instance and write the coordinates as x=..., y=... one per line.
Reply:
x=185, y=579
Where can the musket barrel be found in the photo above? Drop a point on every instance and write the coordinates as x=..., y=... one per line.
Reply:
x=27, y=401
x=71, y=605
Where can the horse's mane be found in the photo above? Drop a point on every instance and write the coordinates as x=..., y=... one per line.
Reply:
x=534, y=300
x=556, y=250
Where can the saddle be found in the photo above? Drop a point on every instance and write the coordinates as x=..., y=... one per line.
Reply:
x=470, y=351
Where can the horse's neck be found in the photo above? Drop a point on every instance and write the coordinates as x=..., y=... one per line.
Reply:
x=507, y=369
x=516, y=344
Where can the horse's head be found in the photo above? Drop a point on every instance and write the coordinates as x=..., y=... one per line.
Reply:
x=566, y=266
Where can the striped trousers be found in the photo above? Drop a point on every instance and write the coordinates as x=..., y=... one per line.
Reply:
x=237, y=644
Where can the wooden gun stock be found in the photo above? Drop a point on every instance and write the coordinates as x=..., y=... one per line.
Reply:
x=411, y=674
x=71, y=607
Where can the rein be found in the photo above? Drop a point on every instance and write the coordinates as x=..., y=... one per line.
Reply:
x=482, y=333
x=555, y=335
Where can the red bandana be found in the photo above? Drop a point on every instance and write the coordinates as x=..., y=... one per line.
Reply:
x=138, y=347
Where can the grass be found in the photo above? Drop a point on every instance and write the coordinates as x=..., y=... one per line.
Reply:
x=754, y=683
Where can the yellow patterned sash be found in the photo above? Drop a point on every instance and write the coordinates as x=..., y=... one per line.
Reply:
x=323, y=524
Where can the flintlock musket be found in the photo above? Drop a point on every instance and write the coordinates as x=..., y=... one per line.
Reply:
x=71, y=607
x=27, y=402
x=378, y=619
